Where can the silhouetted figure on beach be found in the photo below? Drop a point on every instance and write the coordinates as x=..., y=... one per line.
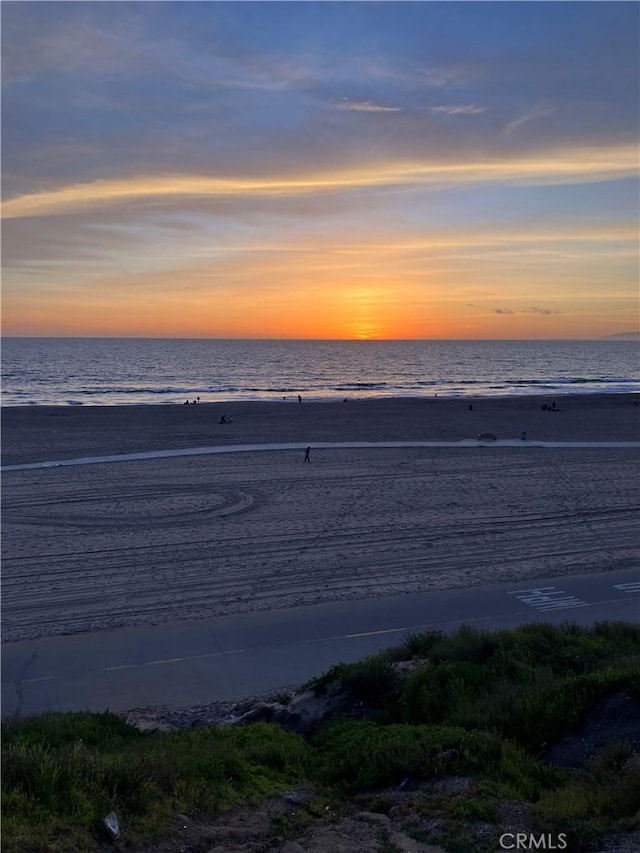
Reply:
x=307, y=457
x=223, y=420
x=186, y=403
x=299, y=398
x=197, y=399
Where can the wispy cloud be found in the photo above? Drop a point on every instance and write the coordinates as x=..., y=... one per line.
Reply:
x=445, y=77
x=542, y=311
x=459, y=109
x=538, y=111
x=534, y=310
x=562, y=167
x=67, y=47
x=366, y=107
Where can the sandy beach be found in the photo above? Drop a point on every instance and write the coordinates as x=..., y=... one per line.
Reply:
x=147, y=542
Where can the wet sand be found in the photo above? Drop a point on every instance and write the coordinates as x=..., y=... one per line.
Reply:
x=147, y=542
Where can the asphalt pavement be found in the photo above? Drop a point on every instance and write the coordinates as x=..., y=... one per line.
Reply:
x=232, y=657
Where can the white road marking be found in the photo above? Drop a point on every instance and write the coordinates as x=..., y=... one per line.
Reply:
x=321, y=445
x=561, y=605
x=408, y=628
x=541, y=593
x=372, y=633
x=628, y=587
x=173, y=660
x=547, y=598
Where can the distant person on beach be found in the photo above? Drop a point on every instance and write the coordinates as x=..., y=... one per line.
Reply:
x=299, y=398
x=223, y=420
x=307, y=457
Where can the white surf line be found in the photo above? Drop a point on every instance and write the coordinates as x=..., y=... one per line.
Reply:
x=320, y=445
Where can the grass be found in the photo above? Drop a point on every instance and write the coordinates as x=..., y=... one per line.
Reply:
x=372, y=680
x=528, y=685
x=481, y=705
x=68, y=785
x=362, y=755
x=605, y=793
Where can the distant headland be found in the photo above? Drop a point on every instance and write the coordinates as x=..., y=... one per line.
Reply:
x=623, y=336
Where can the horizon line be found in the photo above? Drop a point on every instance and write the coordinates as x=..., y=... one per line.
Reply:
x=331, y=340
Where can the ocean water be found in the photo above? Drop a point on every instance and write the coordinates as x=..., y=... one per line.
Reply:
x=116, y=371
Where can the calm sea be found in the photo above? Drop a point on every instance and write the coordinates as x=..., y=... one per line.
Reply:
x=115, y=371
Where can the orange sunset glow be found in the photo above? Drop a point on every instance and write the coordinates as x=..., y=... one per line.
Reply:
x=408, y=187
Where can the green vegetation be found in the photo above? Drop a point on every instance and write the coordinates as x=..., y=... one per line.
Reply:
x=478, y=705
x=605, y=793
x=63, y=773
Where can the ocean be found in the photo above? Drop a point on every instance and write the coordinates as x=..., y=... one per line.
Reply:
x=117, y=371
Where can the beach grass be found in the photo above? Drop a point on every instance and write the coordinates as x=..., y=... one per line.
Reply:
x=475, y=704
x=63, y=773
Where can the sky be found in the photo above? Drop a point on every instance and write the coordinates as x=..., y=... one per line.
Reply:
x=320, y=169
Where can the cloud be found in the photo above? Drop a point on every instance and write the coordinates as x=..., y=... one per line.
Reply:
x=563, y=167
x=537, y=112
x=366, y=107
x=445, y=77
x=105, y=45
x=68, y=46
x=543, y=311
x=459, y=109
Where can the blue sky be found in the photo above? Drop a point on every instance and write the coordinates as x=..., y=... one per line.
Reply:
x=414, y=169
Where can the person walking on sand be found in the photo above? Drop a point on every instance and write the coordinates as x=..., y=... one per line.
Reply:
x=307, y=457
x=299, y=398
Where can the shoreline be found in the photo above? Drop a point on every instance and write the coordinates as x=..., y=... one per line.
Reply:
x=43, y=433
x=334, y=399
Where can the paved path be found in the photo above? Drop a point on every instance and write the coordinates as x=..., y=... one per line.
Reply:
x=244, y=448
x=235, y=656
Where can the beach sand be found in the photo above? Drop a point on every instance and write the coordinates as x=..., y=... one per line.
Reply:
x=148, y=542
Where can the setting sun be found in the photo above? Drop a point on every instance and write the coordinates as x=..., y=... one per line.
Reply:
x=292, y=188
